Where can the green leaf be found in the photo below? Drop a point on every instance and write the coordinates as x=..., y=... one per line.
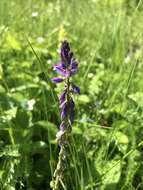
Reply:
x=84, y=99
x=122, y=141
x=9, y=187
x=137, y=97
x=77, y=130
x=47, y=125
x=112, y=176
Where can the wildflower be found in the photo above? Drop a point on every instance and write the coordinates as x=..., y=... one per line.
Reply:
x=57, y=80
x=35, y=14
x=66, y=68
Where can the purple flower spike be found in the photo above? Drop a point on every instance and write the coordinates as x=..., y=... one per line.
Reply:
x=57, y=80
x=66, y=67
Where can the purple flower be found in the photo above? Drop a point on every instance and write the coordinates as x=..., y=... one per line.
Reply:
x=74, y=64
x=68, y=65
x=75, y=89
x=73, y=71
x=63, y=110
x=57, y=80
x=65, y=53
x=62, y=65
x=60, y=70
x=62, y=97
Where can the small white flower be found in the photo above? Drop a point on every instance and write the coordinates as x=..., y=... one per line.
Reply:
x=40, y=40
x=49, y=62
x=127, y=59
x=30, y=104
x=90, y=75
x=35, y=14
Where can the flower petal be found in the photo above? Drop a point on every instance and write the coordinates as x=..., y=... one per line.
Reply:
x=75, y=89
x=60, y=70
x=62, y=126
x=70, y=72
x=73, y=72
x=59, y=134
x=65, y=49
x=62, y=97
x=61, y=64
x=59, y=137
x=63, y=110
x=74, y=64
x=57, y=80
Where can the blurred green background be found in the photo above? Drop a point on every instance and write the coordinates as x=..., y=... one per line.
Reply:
x=106, y=148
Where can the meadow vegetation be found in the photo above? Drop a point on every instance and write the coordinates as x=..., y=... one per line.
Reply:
x=106, y=147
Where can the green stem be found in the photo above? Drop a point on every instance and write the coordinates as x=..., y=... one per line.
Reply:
x=57, y=173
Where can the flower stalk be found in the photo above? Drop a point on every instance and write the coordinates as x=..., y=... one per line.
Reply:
x=67, y=67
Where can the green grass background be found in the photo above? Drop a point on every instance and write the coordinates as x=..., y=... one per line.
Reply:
x=106, y=151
